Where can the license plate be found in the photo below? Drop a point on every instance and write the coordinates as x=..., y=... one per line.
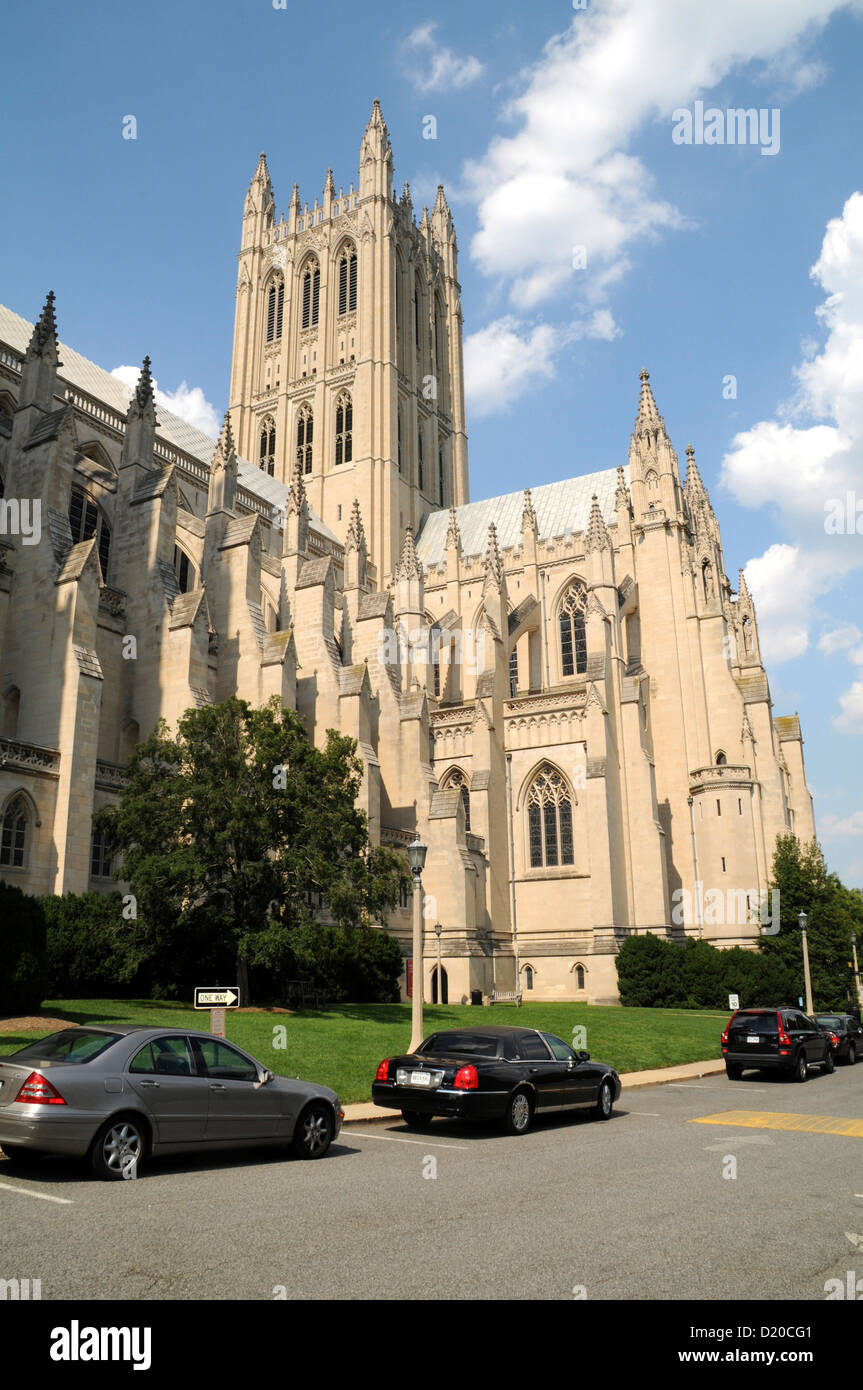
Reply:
x=754, y=1039
x=420, y=1078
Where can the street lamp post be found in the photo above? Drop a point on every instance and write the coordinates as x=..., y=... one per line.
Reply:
x=857, y=988
x=802, y=921
x=416, y=858
x=437, y=931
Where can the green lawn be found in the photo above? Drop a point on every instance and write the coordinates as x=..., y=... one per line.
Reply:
x=341, y=1046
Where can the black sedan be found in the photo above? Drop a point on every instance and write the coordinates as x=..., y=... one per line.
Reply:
x=494, y=1073
x=846, y=1029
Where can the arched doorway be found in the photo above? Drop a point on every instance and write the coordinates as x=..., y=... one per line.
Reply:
x=444, y=990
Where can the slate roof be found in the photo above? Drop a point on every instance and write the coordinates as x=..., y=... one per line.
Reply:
x=85, y=375
x=561, y=508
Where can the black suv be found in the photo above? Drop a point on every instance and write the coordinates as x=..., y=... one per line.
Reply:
x=846, y=1028
x=775, y=1040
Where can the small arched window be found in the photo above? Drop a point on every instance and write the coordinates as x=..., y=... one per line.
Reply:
x=184, y=570
x=652, y=481
x=549, y=820
x=15, y=834
x=344, y=428
x=528, y=977
x=456, y=781
x=101, y=858
x=311, y=294
x=275, y=308
x=721, y=760
x=86, y=521
x=267, y=445
x=573, y=632
x=347, y=280
x=305, y=433
x=579, y=977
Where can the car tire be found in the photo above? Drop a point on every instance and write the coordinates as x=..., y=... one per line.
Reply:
x=314, y=1131
x=519, y=1113
x=733, y=1072
x=21, y=1157
x=852, y=1055
x=417, y=1120
x=118, y=1143
x=604, y=1101
x=801, y=1067
x=829, y=1062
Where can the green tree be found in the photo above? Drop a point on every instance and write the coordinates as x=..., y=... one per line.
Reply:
x=92, y=951
x=801, y=878
x=238, y=837
x=22, y=952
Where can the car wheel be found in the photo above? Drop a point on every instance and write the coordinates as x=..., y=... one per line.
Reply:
x=733, y=1072
x=23, y=1158
x=118, y=1148
x=605, y=1101
x=852, y=1055
x=314, y=1132
x=417, y=1120
x=801, y=1067
x=519, y=1113
x=829, y=1061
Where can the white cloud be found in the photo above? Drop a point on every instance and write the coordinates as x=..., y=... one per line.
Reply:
x=189, y=402
x=840, y=639
x=836, y=825
x=434, y=68
x=504, y=359
x=565, y=176
x=807, y=463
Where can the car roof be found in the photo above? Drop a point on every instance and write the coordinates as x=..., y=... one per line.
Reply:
x=489, y=1030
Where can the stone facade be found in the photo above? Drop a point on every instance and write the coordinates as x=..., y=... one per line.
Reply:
x=558, y=689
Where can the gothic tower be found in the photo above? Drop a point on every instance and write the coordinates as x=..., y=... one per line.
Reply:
x=348, y=351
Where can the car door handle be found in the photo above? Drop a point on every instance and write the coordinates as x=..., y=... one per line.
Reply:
x=217, y=1086
x=153, y=1084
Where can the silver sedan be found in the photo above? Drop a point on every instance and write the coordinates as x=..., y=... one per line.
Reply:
x=119, y=1095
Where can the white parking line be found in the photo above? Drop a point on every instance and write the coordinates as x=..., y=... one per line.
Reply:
x=43, y=1196
x=689, y=1086
x=394, y=1139
x=655, y=1113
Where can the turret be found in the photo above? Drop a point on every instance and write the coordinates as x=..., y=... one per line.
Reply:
x=376, y=157
x=260, y=205
x=41, y=360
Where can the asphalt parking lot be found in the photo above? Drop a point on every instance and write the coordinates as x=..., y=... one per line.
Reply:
x=700, y=1189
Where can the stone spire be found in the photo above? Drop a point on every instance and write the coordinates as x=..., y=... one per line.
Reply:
x=596, y=533
x=493, y=562
x=743, y=589
x=140, y=434
x=355, y=551
x=406, y=200
x=41, y=360
x=409, y=565
x=144, y=390
x=648, y=417
x=356, y=536
x=621, y=492
x=223, y=471
x=329, y=186
x=528, y=515
x=296, y=516
x=453, y=535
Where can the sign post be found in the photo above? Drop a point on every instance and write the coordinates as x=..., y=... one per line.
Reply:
x=217, y=999
x=734, y=1001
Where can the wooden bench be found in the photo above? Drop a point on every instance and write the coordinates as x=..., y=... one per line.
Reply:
x=505, y=996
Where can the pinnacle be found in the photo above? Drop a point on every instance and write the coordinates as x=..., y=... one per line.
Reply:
x=621, y=492
x=144, y=388
x=329, y=186
x=409, y=566
x=743, y=588
x=596, y=533
x=493, y=562
x=297, y=495
x=261, y=170
x=648, y=416
x=295, y=196
x=45, y=330
x=226, y=438
x=453, y=535
x=356, y=536
x=528, y=514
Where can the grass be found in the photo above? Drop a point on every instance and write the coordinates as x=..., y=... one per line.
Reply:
x=342, y=1046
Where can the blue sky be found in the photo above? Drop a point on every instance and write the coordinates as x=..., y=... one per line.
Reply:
x=554, y=131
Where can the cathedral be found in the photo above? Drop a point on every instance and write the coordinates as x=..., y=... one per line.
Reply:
x=559, y=689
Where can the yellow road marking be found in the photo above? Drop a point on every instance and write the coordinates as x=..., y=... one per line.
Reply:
x=772, y=1119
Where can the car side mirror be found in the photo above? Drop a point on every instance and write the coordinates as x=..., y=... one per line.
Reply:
x=264, y=1075
x=583, y=1056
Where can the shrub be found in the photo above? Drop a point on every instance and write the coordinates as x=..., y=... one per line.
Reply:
x=23, y=966
x=91, y=947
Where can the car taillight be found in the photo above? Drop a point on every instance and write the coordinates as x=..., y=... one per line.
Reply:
x=724, y=1038
x=466, y=1079
x=39, y=1091
x=383, y=1070
x=784, y=1040
x=834, y=1038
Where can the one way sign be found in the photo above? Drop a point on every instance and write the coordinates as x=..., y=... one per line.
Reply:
x=219, y=998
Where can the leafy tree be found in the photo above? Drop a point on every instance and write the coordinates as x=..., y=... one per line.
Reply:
x=92, y=951
x=650, y=973
x=238, y=837
x=22, y=952
x=801, y=877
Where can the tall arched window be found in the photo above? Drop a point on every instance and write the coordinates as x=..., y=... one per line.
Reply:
x=399, y=436
x=513, y=673
x=344, y=428
x=184, y=570
x=440, y=486
x=305, y=431
x=652, y=481
x=573, y=633
x=267, y=445
x=456, y=781
x=275, y=307
x=15, y=834
x=438, y=336
x=101, y=858
x=11, y=710
x=579, y=977
x=528, y=977
x=347, y=280
x=87, y=521
x=549, y=820
x=420, y=459
x=311, y=294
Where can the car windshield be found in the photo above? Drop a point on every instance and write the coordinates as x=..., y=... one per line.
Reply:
x=72, y=1045
x=461, y=1044
x=754, y=1023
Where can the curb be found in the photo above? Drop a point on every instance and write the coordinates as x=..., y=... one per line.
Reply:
x=363, y=1112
